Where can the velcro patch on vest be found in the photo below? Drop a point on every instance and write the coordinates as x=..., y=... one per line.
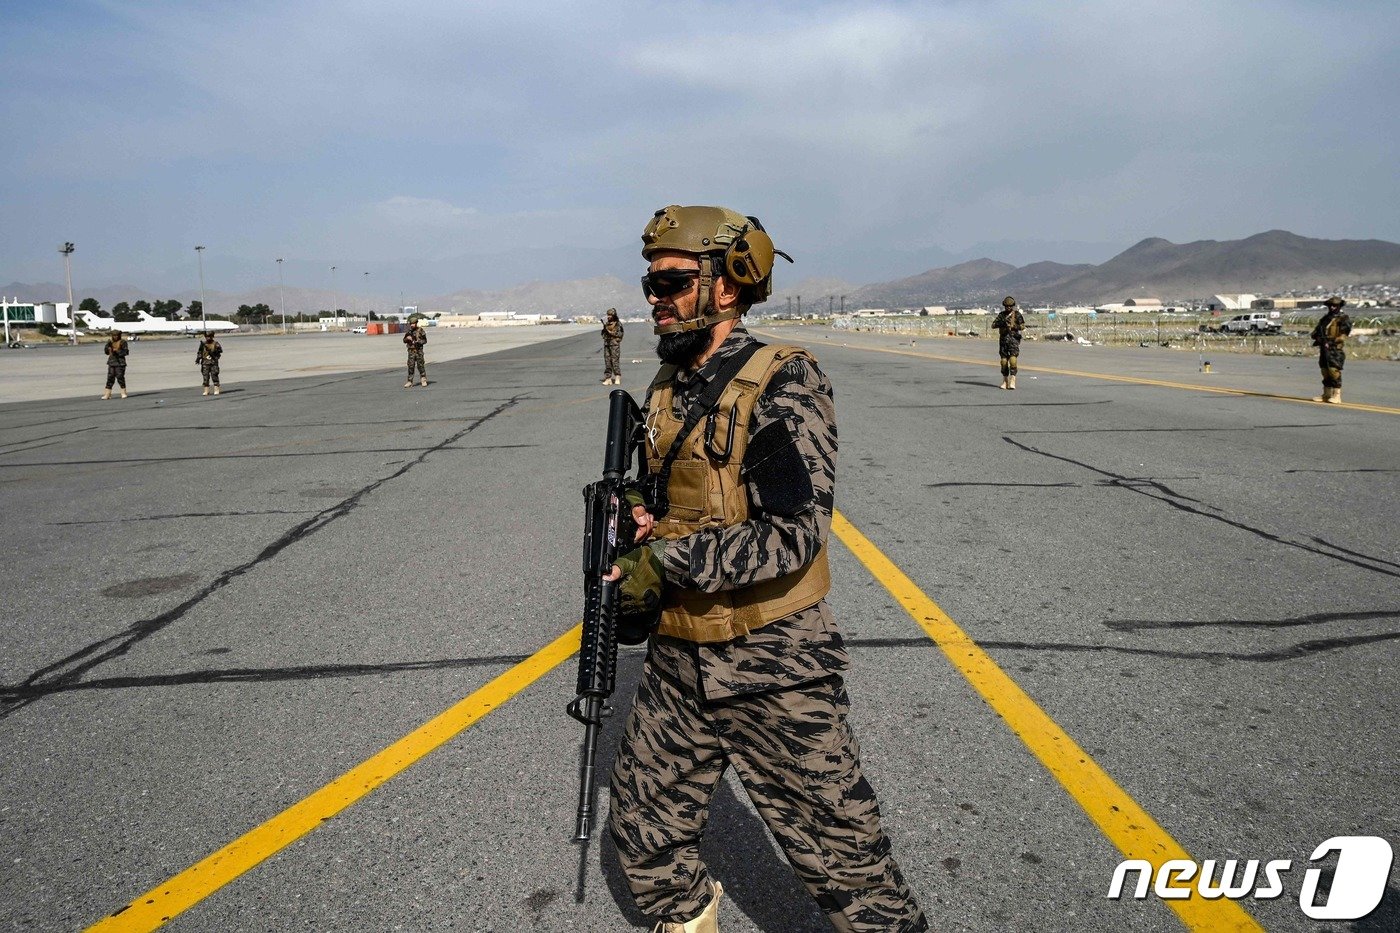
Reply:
x=777, y=471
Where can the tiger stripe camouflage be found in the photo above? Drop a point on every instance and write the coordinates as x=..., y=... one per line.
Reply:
x=772, y=703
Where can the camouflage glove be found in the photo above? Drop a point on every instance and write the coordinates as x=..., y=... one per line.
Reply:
x=639, y=592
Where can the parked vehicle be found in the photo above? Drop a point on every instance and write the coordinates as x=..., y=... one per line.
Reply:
x=1256, y=322
x=362, y=329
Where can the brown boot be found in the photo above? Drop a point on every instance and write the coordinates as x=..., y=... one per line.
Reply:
x=1003, y=382
x=123, y=392
x=424, y=382
x=1011, y=382
x=408, y=384
x=1335, y=396
x=206, y=390
x=106, y=393
x=707, y=922
x=216, y=390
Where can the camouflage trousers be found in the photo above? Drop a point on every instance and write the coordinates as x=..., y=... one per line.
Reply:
x=208, y=371
x=612, y=352
x=415, y=358
x=797, y=758
x=116, y=374
x=1331, y=360
x=1009, y=348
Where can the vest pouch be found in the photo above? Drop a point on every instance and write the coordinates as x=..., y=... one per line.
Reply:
x=689, y=492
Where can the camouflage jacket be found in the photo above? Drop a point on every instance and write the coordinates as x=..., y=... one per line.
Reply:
x=802, y=647
x=207, y=354
x=1010, y=322
x=612, y=332
x=1332, y=330
x=116, y=354
x=414, y=339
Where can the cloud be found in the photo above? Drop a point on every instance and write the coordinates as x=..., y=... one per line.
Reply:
x=433, y=128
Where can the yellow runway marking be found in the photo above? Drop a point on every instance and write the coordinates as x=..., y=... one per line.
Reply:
x=1134, y=380
x=197, y=882
x=1127, y=825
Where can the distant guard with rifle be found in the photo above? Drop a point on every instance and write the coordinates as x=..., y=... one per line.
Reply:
x=744, y=665
x=415, y=338
x=1329, y=336
x=1009, y=324
x=612, y=349
x=116, y=350
x=207, y=358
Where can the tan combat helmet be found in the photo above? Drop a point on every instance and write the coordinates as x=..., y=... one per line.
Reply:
x=1334, y=302
x=1008, y=302
x=743, y=249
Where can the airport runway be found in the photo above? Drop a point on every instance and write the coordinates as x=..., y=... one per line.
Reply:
x=1179, y=597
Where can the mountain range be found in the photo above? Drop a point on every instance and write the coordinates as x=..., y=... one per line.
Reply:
x=1265, y=263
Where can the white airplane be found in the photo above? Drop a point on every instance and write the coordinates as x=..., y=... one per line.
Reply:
x=150, y=324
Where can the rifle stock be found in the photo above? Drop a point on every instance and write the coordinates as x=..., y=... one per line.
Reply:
x=608, y=530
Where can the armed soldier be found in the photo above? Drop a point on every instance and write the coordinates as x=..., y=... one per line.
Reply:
x=116, y=350
x=745, y=666
x=1009, y=323
x=612, y=349
x=207, y=358
x=415, y=338
x=1329, y=336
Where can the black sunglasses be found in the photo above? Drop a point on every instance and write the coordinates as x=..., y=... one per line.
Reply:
x=663, y=283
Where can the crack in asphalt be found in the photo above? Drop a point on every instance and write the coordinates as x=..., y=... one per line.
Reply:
x=161, y=518
x=70, y=670
x=1300, y=650
x=1182, y=503
x=247, y=675
x=1314, y=618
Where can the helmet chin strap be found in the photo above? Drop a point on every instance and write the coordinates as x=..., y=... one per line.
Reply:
x=703, y=300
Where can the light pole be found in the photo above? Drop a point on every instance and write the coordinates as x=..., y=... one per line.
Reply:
x=282, y=297
x=366, y=281
x=335, y=312
x=67, y=250
x=203, y=308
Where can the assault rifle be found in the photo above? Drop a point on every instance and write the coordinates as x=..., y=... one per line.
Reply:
x=609, y=530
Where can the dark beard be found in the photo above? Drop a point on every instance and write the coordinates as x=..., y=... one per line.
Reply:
x=681, y=349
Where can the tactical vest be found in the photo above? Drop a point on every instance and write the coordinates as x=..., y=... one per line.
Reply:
x=706, y=490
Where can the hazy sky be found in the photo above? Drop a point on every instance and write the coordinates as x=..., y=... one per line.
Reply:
x=415, y=135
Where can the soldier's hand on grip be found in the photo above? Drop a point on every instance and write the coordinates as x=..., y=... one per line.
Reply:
x=639, y=594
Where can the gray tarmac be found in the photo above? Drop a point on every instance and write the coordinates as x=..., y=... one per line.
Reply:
x=216, y=606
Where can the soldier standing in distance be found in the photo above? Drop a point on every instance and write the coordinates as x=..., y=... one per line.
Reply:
x=744, y=668
x=612, y=349
x=116, y=350
x=414, y=338
x=207, y=356
x=1329, y=336
x=1010, y=322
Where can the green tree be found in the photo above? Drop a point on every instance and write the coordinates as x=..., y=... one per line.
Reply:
x=167, y=308
x=90, y=305
x=253, y=314
x=121, y=311
x=142, y=306
x=196, y=308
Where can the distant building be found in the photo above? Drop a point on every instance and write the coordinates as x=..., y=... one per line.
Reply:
x=1286, y=304
x=933, y=309
x=34, y=312
x=1143, y=304
x=1230, y=302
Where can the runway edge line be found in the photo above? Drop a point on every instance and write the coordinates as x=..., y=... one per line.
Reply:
x=189, y=887
x=1119, y=817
